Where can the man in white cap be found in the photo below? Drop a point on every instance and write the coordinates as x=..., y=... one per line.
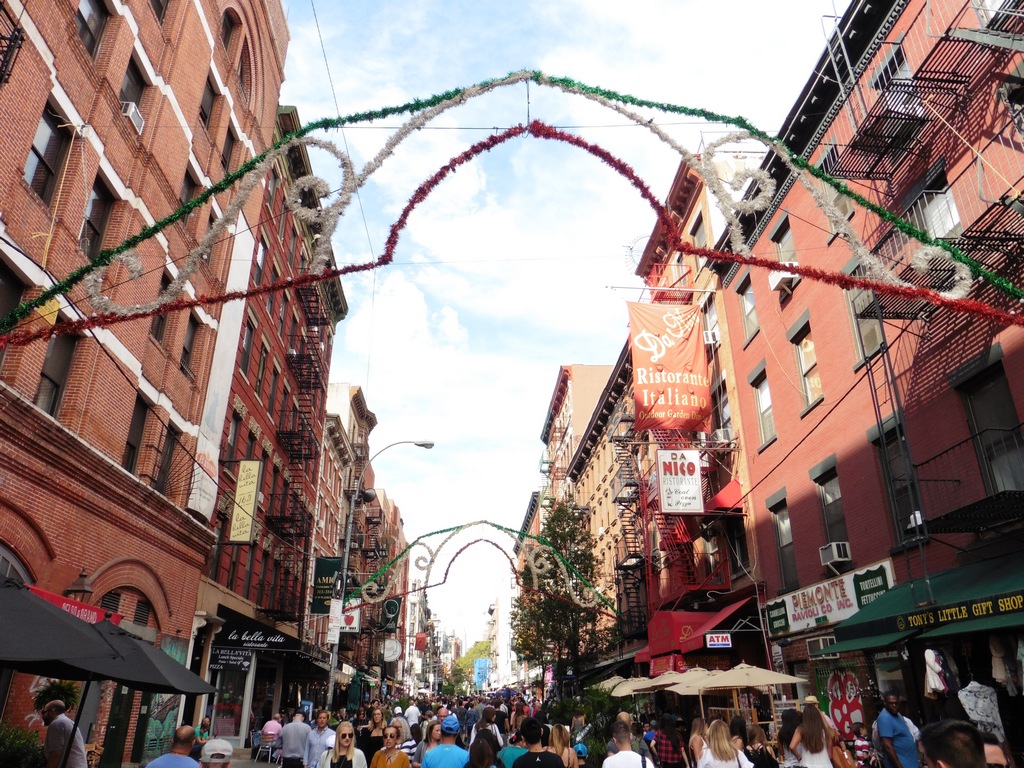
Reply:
x=216, y=752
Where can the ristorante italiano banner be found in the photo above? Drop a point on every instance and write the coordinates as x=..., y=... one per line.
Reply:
x=670, y=368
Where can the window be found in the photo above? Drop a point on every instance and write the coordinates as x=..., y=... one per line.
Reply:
x=992, y=418
x=273, y=183
x=868, y=331
x=893, y=67
x=736, y=537
x=292, y=247
x=282, y=314
x=49, y=148
x=11, y=290
x=91, y=18
x=245, y=72
x=233, y=429
x=228, y=25
x=784, y=544
x=206, y=104
x=228, y=150
x=143, y=610
x=159, y=8
x=158, y=325
x=133, y=445
x=188, y=189
x=132, y=85
x=721, y=412
x=892, y=456
x=765, y=420
x=111, y=602
x=250, y=331
x=783, y=239
x=250, y=448
x=832, y=507
x=188, y=346
x=172, y=437
x=261, y=260
x=807, y=366
x=750, y=325
x=829, y=162
x=97, y=213
x=54, y=374
x=273, y=390
x=272, y=295
x=261, y=370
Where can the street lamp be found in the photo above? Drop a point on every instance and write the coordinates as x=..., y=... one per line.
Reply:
x=368, y=495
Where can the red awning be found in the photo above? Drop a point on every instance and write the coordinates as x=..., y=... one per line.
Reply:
x=643, y=656
x=727, y=498
x=684, y=630
x=93, y=614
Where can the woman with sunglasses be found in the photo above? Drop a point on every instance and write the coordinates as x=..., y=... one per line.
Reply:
x=391, y=756
x=345, y=754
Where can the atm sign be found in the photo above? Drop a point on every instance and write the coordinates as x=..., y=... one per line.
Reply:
x=719, y=640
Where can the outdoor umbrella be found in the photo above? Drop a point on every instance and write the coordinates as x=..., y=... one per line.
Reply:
x=629, y=687
x=610, y=683
x=670, y=678
x=39, y=638
x=746, y=676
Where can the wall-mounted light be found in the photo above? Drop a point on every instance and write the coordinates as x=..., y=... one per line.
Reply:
x=80, y=588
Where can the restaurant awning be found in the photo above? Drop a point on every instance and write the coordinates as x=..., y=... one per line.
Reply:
x=675, y=631
x=728, y=498
x=862, y=643
x=975, y=597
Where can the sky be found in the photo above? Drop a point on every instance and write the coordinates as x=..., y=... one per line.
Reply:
x=522, y=260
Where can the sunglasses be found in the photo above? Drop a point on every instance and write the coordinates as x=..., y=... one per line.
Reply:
x=390, y=735
x=345, y=735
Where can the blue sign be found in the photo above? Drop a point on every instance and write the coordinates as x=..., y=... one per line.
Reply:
x=481, y=671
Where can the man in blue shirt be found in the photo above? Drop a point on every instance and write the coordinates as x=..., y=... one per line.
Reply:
x=319, y=740
x=447, y=754
x=899, y=747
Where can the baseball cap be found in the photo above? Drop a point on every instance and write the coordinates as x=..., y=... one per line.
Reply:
x=581, y=750
x=450, y=725
x=216, y=752
x=398, y=710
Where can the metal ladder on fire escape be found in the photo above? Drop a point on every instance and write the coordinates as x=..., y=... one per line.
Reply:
x=631, y=554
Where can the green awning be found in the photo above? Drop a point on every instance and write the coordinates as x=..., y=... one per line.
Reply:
x=863, y=643
x=974, y=596
x=986, y=624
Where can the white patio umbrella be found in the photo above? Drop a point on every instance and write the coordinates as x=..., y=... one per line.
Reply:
x=610, y=683
x=746, y=676
x=671, y=678
x=629, y=687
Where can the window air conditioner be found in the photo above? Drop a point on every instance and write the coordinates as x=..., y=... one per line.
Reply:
x=781, y=280
x=131, y=110
x=711, y=337
x=722, y=436
x=835, y=552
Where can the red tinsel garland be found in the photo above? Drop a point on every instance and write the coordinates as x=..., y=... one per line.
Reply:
x=542, y=131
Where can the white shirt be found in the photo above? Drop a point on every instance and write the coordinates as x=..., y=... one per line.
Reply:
x=626, y=759
x=412, y=714
x=708, y=760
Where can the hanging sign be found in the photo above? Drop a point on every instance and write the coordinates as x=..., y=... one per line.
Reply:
x=243, y=512
x=679, y=482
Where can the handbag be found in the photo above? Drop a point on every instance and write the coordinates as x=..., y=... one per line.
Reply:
x=841, y=757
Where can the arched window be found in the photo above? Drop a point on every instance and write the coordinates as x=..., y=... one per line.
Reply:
x=11, y=566
x=228, y=25
x=245, y=72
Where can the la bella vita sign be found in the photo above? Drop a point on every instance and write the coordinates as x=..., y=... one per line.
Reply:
x=829, y=602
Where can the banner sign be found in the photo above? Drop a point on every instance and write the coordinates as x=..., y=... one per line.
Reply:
x=324, y=571
x=93, y=614
x=421, y=641
x=240, y=631
x=829, y=602
x=392, y=608
x=679, y=482
x=243, y=514
x=671, y=386
x=348, y=617
x=481, y=671
x=673, y=662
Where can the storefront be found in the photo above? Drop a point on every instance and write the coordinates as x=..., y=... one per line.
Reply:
x=679, y=640
x=801, y=625
x=952, y=644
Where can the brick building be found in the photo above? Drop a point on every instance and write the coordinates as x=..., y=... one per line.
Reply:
x=115, y=115
x=258, y=577
x=883, y=434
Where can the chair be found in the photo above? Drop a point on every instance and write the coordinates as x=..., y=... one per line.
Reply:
x=93, y=752
x=266, y=746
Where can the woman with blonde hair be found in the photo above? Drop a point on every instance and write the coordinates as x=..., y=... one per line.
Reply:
x=697, y=743
x=560, y=743
x=431, y=738
x=345, y=754
x=810, y=743
x=720, y=752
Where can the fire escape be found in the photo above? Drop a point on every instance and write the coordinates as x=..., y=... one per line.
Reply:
x=289, y=516
x=11, y=38
x=631, y=556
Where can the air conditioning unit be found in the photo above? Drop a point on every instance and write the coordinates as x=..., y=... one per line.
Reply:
x=781, y=280
x=711, y=337
x=835, y=552
x=722, y=436
x=131, y=110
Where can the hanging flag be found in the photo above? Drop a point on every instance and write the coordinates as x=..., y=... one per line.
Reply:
x=671, y=387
